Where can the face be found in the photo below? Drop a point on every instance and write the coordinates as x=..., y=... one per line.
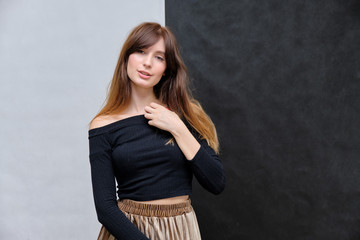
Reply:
x=146, y=66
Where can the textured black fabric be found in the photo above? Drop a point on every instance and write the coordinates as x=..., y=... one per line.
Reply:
x=134, y=153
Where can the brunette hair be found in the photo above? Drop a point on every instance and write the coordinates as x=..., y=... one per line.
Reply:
x=172, y=89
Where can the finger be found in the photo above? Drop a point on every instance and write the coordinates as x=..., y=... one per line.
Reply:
x=155, y=105
x=148, y=115
x=148, y=109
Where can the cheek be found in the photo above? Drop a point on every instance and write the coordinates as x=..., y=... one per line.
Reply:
x=131, y=67
x=162, y=68
x=130, y=61
x=133, y=61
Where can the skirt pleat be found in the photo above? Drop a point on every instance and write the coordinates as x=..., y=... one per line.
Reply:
x=159, y=221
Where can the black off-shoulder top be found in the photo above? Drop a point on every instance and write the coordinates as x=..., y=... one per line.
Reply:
x=135, y=154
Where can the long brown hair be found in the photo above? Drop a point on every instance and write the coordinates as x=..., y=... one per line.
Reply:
x=172, y=88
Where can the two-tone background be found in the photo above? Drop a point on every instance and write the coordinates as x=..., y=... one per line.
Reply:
x=280, y=79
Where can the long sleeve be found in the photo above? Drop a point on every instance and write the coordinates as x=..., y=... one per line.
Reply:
x=208, y=168
x=104, y=191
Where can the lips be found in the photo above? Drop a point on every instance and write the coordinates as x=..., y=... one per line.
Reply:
x=145, y=73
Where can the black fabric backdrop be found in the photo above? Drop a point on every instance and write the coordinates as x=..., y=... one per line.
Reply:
x=281, y=81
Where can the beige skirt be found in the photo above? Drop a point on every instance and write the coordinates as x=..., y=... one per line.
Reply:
x=159, y=221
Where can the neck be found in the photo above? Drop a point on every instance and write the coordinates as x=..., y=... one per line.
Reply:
x=141, y=97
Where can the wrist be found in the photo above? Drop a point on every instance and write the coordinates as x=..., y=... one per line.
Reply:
x=178, y=129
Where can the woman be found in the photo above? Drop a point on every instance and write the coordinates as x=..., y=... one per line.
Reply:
x=151, y=136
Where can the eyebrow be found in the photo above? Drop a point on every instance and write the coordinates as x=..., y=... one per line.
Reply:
x=161, y=52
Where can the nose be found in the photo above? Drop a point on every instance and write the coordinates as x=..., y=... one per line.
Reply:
x=147, y=61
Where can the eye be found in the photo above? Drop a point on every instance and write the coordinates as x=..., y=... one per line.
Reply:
x=160, y=58
x=140, y=51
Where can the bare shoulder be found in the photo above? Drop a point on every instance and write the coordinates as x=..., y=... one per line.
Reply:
x=100, y=121
x=104, y=120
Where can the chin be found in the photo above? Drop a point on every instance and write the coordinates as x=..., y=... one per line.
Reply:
x=142, y=85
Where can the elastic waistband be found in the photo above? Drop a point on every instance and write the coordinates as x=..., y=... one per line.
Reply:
x=154, y=210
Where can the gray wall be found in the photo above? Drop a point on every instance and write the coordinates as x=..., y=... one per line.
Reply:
x=281, y=80
x=56, y=60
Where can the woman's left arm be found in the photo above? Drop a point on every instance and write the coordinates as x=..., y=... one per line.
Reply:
x=205, y=163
